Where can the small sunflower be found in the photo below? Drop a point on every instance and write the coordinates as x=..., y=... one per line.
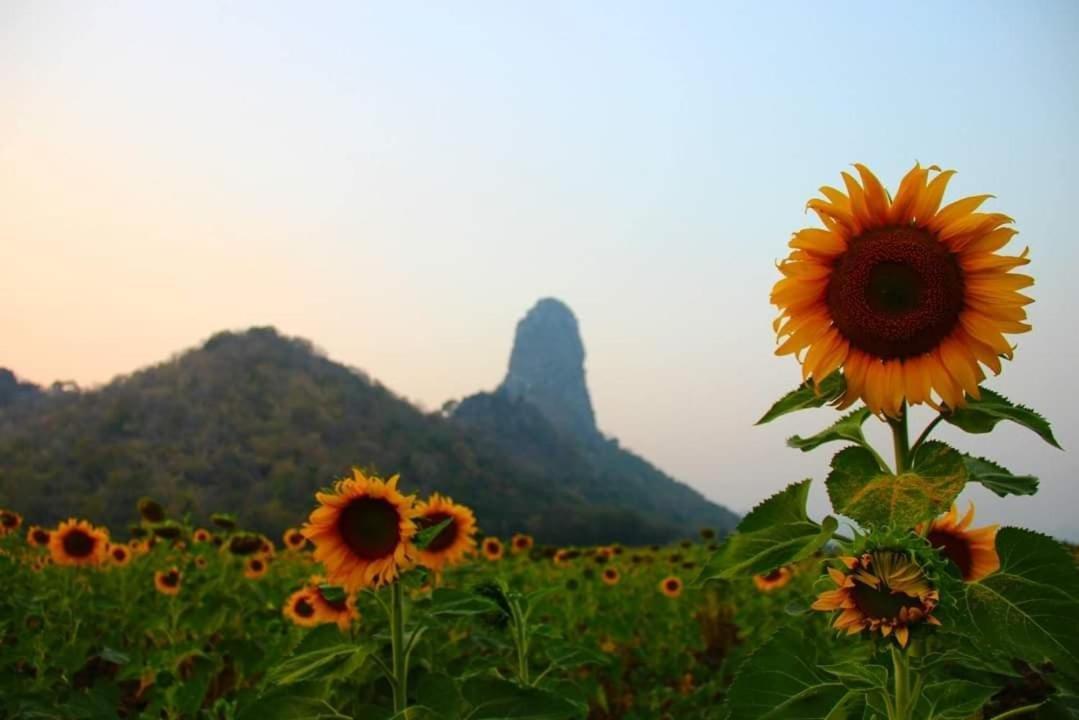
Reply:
x=119, y=554
x=138, y=547
x=773, y=580
x=611, y=576
x=200, y=562
x=266, y=547
x=455, y=541
x=255, y=567
x=363, y=531
x=883, y=590
x=300, y=608
x=9, y=521
x=294, y=539
x=492, y=548
x=909, y=298
x=37, y=536
x=973, y=551
x=671, y=586
x=202, y=535
x=561, y=558
x=521, y=543
x=77, y=542
x=167, y=582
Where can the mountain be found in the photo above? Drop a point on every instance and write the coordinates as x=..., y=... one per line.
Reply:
x=541, y=416
x=255, y=422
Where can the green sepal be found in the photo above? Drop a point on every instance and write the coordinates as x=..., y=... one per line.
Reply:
x=427, y=536
x=848, y=427
x=982, y=415
x=807, y=395
x=998, y=478
x=859, y=489
x=333, y=593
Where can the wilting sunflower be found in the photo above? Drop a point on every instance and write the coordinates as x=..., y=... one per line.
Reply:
x=255, y=567
x=9, y=521
x=907, y=297
x=973, y=551
x=300, y=608
x=454, y=541
x=611, y=576
x=77, y=542
x=521, y=543
x=773, y=580
x=363, y=531
x=492, y=548
x=168, y=581
x=37, y=536
x=671, y=586
x=884, y=590
x=119, y=554
x=336, y=605
x=202, y=535
x=294, y=539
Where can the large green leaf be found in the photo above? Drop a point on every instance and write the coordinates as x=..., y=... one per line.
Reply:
x=783, y=680
x=859, y=489
x=982, y=415
x=775, y=533
x=847, y=428
x=953, y=699
x=303, y=701
x=998, y=479
x=496, y=699
x=807, y=395
x=439, y=692
x=1029, y=608
x=341, y=659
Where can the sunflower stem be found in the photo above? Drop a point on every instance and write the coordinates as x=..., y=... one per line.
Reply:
x=901, y=440
x=397, y=640
x=901, y=670
x=1016, y=712
x=925, y=433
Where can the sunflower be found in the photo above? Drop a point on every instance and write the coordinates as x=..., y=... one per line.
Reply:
x=119, y=554
x=671, y=586
x=300, y=608
x=773, y=580
x=255, y=567
x=294, y=539
x=266, y=547
x=9, y=521
x=77, y=542
x=202, y=535
x=200, y=562
x=454, y=541
x=611, y=576
x=138, y=547
x=363, y=531
x=168, y=581
x=561, y=558
x=907, y=297
x=521, y=543
x=492, y=548
x=335, y=605
x=37, y=536
x=974, y=552
x=883, y=590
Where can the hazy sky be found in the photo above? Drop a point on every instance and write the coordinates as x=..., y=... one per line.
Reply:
x=400, y=182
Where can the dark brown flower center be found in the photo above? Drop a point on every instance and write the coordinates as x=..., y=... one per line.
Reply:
x=256, y=566
x=170, y=579
x=672, y=585
x=445, y=537
x=881, y=603
x=896, y=292
x=955, y=548
x=8, y=520
x=118, y=553
x=491, y=547
x=78, y=544
x=303, y=608
x=610, y=573
x=370, y=527
x=295, y=539
x=41, y=537
x=773, y=576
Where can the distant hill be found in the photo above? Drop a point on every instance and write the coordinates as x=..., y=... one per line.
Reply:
x=254, y=423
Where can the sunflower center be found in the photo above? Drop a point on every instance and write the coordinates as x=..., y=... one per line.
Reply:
x=256, y=565
x=672, y=585
x=303, y=608
x=445, y=536
x=8, y=520
x=119, y=554
x=370, y=527
x=41, y=537
x=78, y=544
x=955, y=549
x=772, y=576
x=171, y=579
x=896, y=292
x=881, y=603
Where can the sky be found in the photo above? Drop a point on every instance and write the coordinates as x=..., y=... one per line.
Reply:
x=399, y=182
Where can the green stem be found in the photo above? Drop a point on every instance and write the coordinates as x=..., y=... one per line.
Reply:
x=397, y=639
x=901, y=670
x=1016, y=712
x=901, y=440
x=521, y=636
x=925, y=433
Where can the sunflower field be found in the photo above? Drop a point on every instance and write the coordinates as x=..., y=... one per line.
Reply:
x=384, y=605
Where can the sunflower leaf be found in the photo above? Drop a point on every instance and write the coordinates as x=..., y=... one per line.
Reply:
x=859, y=489
x=997, y=478
x=1027, y=609
x=492, y=698
x=982, y=415
x=427, y=536
x=848, y=427
x=783, y=679
x=807, y=395
x=954, y=699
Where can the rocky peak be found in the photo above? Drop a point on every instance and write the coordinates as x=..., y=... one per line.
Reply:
x=547, y=368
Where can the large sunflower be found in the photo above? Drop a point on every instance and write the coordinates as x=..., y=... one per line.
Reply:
x=974, y=552
x=454, y=541
x=363, y=531
x=77, y=542
x=909, y=298
x=884, y=591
